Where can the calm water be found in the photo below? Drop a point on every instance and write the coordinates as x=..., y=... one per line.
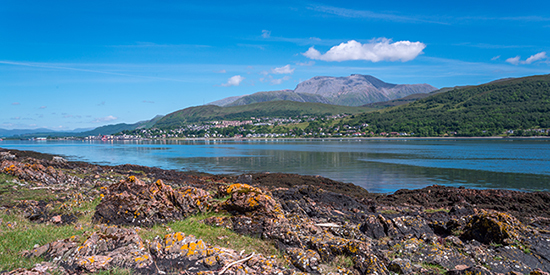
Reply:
x=377, y=165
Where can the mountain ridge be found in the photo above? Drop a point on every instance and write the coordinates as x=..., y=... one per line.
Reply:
x=353, y=90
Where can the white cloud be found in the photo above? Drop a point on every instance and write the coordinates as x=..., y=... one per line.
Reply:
x=221, y=71
x=282, y=70
x=16, y=103
x=377, y=50
x=533, y=58
x=513, y=60
x=266, y=33
x=233, y=81
x=104, y=119
x=536, y=57
x=495, y=58
x=148, y=101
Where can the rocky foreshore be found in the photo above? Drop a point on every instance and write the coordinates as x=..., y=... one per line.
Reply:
x=125, y=220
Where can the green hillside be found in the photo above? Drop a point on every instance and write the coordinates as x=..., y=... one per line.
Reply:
x=489, y=109
x=280, y=108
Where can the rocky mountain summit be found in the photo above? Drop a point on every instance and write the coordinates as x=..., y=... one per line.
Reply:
x=353, y=90
x=127, y=218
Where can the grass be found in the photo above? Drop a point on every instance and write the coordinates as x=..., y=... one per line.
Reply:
x=431, y=211
x=24, y=235
x=11, y=193
x=438, y=269
x=389, y=212
x=211, y=234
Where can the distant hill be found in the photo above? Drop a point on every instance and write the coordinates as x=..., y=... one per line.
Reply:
x=354, y=90
x=489, y=109
x=280, y=108
x=17, y=132
x=103, y=130
x=278, y=95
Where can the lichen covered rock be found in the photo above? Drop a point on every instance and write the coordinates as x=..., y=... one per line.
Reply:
x=133, y=201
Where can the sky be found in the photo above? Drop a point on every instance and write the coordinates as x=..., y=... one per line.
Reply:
x=82, y=64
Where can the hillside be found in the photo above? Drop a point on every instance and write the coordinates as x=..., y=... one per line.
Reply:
x=281, y=108
x=410, y=98
x=278, y=95
x=489, y=109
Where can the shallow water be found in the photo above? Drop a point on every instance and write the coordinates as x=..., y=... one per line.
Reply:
x=379, y=165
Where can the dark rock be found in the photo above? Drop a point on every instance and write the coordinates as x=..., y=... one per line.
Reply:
x=492, y=227
x=401, y=266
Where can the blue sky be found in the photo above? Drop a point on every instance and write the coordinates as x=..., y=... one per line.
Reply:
x=83, y=64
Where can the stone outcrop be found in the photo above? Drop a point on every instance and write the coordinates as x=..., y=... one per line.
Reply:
x=134, y=202
x=113, y=246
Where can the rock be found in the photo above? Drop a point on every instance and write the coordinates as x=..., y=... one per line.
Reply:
x=244, y=179
x=132, y=201
x=492, y=227
x=305, y=260
x=7, y=156
x=249, y=200
x=401, y=266
x=38, y=173
x=465, y=270
x=56, y=219
x=538, y=272
x=59, y=159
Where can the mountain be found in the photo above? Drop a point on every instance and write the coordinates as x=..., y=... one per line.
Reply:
x=278, y=95
x=357, y=90
x=354, y=90
x=103, y=130
x=488, y=109
x=279, y=108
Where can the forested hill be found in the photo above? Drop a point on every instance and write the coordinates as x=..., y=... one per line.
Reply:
x=489, y=109
x=280, y=108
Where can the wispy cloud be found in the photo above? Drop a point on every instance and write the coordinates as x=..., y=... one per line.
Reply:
x=104, y=119
x=533, y=58
x=495, y=58
x=16, y=103
x=42, y=107
x=279, y=80
x=148, y=101
x=377, y=50
x=221, y=71
x=101, y=103
x=266, y=33
x=309, y=63
x=62, y=67
x=233, y=81
x=283, y=70
x=343, y=12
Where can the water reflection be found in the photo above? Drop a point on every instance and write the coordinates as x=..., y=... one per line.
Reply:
x=377, y=165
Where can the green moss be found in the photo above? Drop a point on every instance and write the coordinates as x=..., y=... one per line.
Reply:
x=430, y=211
x=438, y=269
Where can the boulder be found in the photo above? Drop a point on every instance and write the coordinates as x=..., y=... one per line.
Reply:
x=133, y=201
x=492, y=227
